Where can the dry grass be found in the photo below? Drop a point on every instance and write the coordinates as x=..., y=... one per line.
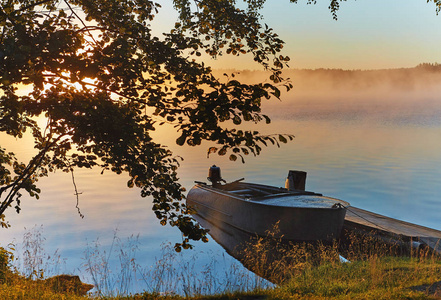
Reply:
x=302, y=271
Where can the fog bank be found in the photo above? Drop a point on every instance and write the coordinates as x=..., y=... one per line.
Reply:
x=408, y=95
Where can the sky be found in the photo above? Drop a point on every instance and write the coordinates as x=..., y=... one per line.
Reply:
x=369, y=34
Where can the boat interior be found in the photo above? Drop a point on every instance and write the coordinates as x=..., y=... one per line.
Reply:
x=257, y=191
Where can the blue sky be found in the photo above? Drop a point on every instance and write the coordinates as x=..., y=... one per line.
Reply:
x=369, y=34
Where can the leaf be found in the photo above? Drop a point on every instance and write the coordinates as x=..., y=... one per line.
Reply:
x=222, y=151
x=282, y=139
x=267, y=119
x=276, y=93
x=181, y=140
x=130, y=183
x=211, y=150
x=237, y=120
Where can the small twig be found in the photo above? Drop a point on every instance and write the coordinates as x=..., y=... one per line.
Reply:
x=82, y=22
x=77, y=206
x=32, y=5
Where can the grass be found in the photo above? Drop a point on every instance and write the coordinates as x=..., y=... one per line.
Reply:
x=375, y=278
x=302, y=271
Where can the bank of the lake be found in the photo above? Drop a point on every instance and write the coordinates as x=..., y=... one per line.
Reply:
x=374, y=278
x=373, y=270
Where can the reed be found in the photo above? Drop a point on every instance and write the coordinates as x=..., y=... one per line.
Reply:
x=115, y=270
x=301, y=271
x=172, y=273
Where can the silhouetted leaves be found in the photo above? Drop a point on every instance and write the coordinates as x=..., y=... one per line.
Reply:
x=105, y=81
x=282, y=139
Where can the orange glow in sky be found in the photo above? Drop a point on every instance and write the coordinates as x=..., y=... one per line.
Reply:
x=369, y=34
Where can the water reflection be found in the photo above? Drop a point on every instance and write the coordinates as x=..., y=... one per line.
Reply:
x=269, y=257
x=379, y=151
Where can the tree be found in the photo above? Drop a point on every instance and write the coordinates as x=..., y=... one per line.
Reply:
x=334, y=5
x=104, y=81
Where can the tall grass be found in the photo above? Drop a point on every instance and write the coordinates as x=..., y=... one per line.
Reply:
x=118, y=270
x=111, y=276
x=374, y=278
x=14, y=285
x=33, y=261
x=172, y=273
x=377, y=268
x=301, y=271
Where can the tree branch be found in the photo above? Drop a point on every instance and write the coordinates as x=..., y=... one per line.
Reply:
x=77, y=206
x=33, y=5
x=25, y=175
x=81, y=20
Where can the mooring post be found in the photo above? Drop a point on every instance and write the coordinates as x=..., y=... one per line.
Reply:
x=296, y=180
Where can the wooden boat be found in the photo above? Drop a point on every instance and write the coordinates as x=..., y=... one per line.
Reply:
x=256, y=209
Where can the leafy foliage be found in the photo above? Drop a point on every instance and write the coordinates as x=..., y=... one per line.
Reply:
x=437, y=4
x=334, y=5
x=104, y=82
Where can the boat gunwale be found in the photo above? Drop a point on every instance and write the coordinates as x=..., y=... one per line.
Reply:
x=343, y=204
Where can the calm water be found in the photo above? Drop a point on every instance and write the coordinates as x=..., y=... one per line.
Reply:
x=381, y=154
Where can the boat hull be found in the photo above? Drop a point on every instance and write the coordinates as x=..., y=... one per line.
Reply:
x=309, y=224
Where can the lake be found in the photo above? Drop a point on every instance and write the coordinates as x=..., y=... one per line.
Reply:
x=375, y=144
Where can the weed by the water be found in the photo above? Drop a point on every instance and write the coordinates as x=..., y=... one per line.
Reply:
x=302, y=271
x=374, y=278
x=172, y=273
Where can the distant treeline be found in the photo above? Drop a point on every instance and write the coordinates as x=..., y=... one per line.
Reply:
x=424, y=75
x=435, y=67
x=423, y=66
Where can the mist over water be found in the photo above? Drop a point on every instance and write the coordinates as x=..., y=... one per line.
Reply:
x=391, y=96
x=372, y=138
